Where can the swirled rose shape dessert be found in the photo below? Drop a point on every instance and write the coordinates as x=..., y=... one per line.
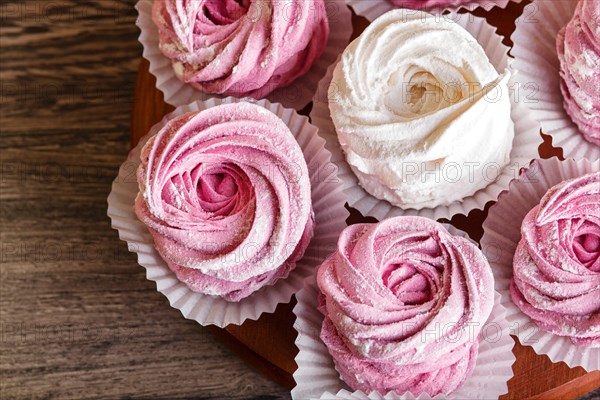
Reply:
x=437, y=4
x=241, y=47
x=419, y=111
x=578, y=47
x=404, y=302
x=226, y=195
x=556, y=266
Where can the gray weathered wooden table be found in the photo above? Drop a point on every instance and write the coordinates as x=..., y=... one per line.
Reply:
x=77, y=316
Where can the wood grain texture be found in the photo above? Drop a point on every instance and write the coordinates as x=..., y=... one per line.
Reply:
x=78, y=319
x=268, y=344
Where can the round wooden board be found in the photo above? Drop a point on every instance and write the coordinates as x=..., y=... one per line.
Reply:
x=268, y=344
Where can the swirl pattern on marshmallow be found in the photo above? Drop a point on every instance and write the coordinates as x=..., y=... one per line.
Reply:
x=404, y=302
x=241, y=47
x=578, y=47
x=419, y=111
x=556, y=266
x=226, y=195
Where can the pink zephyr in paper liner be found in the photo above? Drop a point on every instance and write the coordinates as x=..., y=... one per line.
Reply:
x=297, y=95
x=524, y=147
x=501, y=236
x=371, y=9
x=536, y=59
x=317, y=377
x=327, y=201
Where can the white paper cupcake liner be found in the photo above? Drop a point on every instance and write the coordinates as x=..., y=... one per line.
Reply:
x=371, y=9
x=296, y=96
x=328, y=204
x=537, y=61
x=501, y=236
x=317, y=378
x=525, y=143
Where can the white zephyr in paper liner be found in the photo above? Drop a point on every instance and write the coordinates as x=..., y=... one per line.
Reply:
x=502, y=232
x=525, y=143
x=371, y=9
x=317, y=377
x=297, y=95
x=330, y=219
x=536, y=60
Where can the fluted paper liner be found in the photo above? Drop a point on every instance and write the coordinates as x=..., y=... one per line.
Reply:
x=537, y=60
x=317, y=378
x=371, y=9
x=297, y=95
x=328, y=204
x=501, y=236
x=525, y=143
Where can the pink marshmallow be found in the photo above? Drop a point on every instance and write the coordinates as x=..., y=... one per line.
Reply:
x=404, y=302
x=241, y=48
x=578, y=47
x=556, y=266
x=226, y=196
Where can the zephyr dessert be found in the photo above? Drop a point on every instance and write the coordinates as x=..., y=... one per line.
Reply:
x=226, y=195
x=578, y=48
x=556, y=266
x=419, y=111
x=404, y=302
x=241, y=48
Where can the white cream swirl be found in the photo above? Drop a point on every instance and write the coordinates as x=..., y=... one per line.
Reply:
x=420, y=111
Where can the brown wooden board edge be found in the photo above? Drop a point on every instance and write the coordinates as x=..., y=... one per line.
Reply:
x=573, y=389
x=255, y=360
